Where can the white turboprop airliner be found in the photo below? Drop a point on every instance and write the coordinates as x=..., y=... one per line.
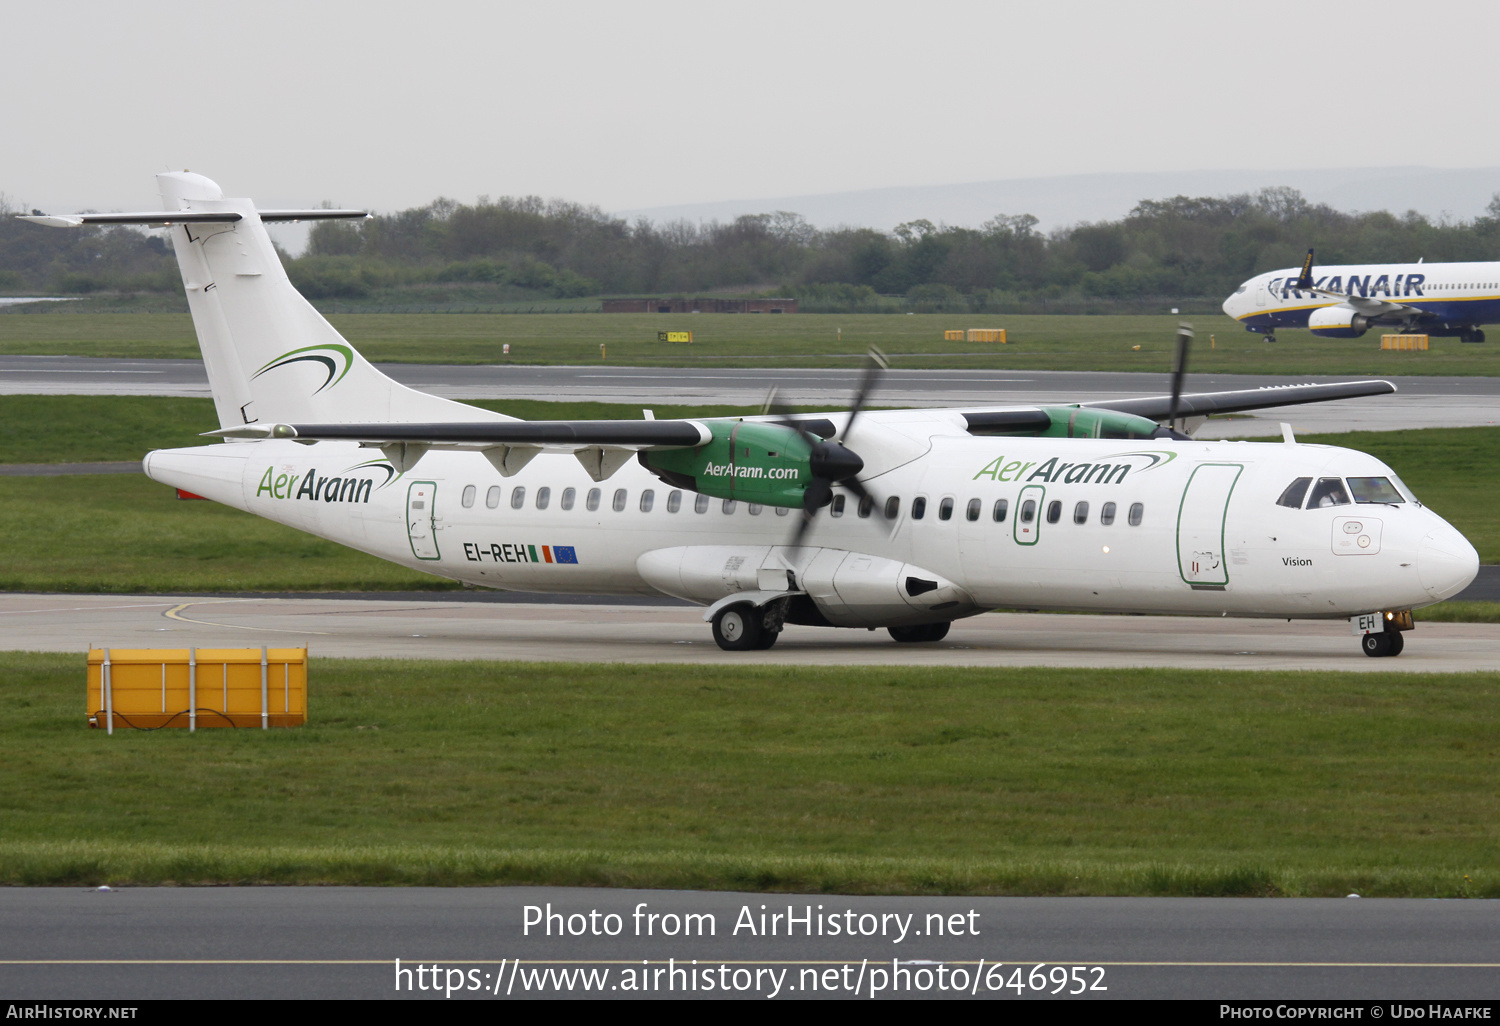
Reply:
x=904, y=519
x=1345, y=301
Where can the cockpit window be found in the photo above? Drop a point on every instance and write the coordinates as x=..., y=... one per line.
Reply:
x=1295, y=493
x=1374, y=489
x=1328, y=492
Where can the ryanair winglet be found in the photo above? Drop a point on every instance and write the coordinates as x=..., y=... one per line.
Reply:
x=1304, y=280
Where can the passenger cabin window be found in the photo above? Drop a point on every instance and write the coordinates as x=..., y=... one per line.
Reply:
x=1081, y=513
x=866, y=504
x=469, y=493
x=1028, y=511
x=729, y=505
x=1137, y=511
x=700, y=504
x=1329, y=491
x=782, y=511
x=1054, y=511
x=1002, y=507
x=518, y=497
x=893, y=507
x=543, y=497
x=972, y=510
x=492, y=497
x=1374, y=489
x=1107, y=514
x=592, y=502
x=620, y=498
x=945, y=509
x=919, y=507
x=1295, y=493
x=754, y=508
x=836, y=508
x=648, y=499
x=568, y=495
x=674, y=501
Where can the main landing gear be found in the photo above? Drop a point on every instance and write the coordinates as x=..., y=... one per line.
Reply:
x=744, y=629
x=924, y=632
x=1474, y=335
x=1270, y=337
x=1382, y=643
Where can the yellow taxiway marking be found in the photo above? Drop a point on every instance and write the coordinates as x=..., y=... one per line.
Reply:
x=175, y=611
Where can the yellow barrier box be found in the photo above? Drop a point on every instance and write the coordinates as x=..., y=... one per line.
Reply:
x=953, y=336
x=987, y=335
x=147, y=688
x=1403, y=341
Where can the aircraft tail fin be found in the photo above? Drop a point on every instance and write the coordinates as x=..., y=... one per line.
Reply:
x=1305, y=279
x=270, y=356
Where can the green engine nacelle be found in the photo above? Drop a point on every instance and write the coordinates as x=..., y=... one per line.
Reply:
x=1087, y=422
x=749, y=461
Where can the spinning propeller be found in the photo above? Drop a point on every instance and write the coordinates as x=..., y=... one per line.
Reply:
x=829, y=459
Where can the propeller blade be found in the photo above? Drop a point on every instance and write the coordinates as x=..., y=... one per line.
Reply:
x=875, y=365
x=1179, y=372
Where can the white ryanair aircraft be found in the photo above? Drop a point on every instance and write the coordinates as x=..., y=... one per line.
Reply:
x=904, y=519
x=1346, y=300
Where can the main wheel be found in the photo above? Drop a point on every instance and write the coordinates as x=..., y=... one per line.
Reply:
x=1398, y=642
x=1478, y=335
x=1377, y=645
x=1270, y=337
x=738, y=629
x=767, y=639
x=923, y=632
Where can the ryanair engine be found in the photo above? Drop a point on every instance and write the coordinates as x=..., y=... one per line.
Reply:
x=1338, y=321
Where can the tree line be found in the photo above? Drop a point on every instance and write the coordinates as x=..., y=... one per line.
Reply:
x=526, y=247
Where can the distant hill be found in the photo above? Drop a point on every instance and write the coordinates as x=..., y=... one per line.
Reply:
x=1458, y=194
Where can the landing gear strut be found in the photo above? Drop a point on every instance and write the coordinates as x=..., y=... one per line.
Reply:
x=1382, y=643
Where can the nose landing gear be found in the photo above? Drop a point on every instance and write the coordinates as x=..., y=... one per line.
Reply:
x=1382, y=643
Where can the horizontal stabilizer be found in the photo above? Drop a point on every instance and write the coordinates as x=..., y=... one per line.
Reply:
x=166, y=217
x=1205, y=403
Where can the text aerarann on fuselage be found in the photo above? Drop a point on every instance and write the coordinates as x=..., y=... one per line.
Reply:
x=903, y=519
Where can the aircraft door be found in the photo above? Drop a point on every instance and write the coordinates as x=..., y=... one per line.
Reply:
x=1200, y=524
x=421, y=519
x=1028, y=514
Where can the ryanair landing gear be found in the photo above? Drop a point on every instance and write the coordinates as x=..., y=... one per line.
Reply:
x=926, y=632
x=744, y=629
x=1472, y=335
x=1383, y=643
x=1270, y=337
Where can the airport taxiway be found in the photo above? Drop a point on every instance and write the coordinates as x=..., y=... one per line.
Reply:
x=324, y=942
x=1419, y=402
x=636, y=633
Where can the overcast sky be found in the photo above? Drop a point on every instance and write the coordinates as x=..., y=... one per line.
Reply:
x=627, y=105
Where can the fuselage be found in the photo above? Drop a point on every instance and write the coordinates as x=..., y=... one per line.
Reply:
x=1449, y=298
x=1163, y=525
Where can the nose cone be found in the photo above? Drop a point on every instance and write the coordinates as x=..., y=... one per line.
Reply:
x=1446, y=563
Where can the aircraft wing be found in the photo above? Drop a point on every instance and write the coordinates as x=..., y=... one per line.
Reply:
x=1204, y=403
x=166, y=217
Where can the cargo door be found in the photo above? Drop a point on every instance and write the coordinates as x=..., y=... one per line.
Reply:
x=1028, y=514
x=421, y=519
x=1200, y=524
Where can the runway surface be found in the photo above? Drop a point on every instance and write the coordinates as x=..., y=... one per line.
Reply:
x=435, y=629
x=1420, y=401
x=343, y=942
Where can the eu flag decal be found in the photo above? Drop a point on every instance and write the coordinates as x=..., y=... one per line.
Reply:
x=564, y=554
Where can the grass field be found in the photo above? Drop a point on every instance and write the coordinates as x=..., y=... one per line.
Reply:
x=867, y=780
x=1055, y=342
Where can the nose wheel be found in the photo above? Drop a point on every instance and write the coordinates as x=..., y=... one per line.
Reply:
x=1382, y=643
